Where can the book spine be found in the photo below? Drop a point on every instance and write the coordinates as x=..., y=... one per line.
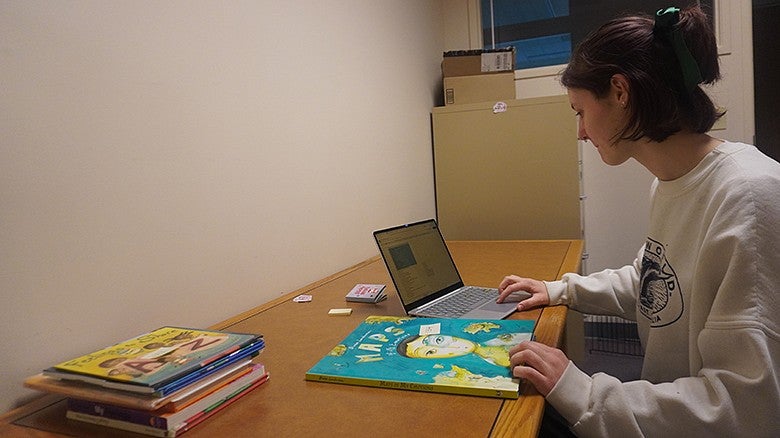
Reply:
x=116, y=424
x=250, y=350
x=212, y=410
x=203, y=387
x=90, y=392
x=129, y=387
x=168, y=421
x=410, y=386
x=118, y=413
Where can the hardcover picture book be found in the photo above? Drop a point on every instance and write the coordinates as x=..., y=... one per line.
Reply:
x=154, y=428
x=170, y=421
x=160, y=361
x=134, y=400
x=456, y=356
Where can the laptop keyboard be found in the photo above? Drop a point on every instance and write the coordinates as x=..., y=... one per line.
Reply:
x=459, y=304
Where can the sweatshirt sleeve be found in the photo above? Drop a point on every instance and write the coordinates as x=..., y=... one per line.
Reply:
x=739, y=400
x=609, y=292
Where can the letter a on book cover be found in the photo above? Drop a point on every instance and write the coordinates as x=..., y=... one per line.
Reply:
x=457, y=356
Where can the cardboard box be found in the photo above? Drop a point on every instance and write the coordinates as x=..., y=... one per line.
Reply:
x=476, y=62
x=479, y=88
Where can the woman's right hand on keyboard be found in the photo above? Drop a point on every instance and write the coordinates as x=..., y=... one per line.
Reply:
x=512, y=283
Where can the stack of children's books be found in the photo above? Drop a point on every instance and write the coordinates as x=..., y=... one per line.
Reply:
x=161, y=383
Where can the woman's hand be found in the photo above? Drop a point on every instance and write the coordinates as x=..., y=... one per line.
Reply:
x=540, y=364
x=537, y=289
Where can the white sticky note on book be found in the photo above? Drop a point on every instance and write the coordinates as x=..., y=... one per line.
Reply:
x=430, y=329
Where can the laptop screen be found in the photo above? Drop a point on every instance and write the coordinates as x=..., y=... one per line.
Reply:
x=418, y=261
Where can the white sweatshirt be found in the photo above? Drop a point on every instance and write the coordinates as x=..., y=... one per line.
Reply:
x=705, y=292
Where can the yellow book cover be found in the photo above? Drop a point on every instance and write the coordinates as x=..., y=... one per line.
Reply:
x=158, y=357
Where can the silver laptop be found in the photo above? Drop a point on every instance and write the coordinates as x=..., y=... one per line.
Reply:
x=426, y=278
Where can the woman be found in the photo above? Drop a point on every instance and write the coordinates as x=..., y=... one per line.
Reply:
x=705, y=287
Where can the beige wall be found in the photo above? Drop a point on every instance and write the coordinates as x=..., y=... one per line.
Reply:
x=178, y=162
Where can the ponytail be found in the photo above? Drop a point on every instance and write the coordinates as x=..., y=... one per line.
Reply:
x=663, y=74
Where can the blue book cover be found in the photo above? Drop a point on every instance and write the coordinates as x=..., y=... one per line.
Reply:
x=456, y=356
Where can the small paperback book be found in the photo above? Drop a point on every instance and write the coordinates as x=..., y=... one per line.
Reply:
x=456, y=356
x=367, y=293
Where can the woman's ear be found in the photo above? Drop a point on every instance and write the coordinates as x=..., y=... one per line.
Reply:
x=620, y=89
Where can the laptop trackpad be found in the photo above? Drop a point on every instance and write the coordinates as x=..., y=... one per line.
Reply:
x=497, y=307
x=491, y=310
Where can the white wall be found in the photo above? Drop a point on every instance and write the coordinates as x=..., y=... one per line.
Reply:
x=179, y=162
x=617, y=204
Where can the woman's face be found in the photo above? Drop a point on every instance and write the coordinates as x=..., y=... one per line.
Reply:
x=600, y=120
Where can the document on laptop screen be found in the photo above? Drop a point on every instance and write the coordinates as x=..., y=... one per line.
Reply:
x=420, y=261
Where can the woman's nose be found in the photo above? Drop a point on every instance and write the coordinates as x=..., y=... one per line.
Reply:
x=581, y=134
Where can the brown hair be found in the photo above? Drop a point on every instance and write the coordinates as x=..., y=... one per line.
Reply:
x=659, y=103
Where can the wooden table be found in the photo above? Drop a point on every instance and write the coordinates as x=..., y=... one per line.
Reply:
x=297, y=335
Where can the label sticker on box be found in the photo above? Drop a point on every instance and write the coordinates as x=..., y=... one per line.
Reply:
x=497, y=61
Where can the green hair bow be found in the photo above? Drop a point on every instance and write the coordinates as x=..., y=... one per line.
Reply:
x=665, y=25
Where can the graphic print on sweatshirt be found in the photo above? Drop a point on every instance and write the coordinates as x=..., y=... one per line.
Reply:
x=660, y=298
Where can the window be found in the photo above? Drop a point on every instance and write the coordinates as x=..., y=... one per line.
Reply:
x=544, y=32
